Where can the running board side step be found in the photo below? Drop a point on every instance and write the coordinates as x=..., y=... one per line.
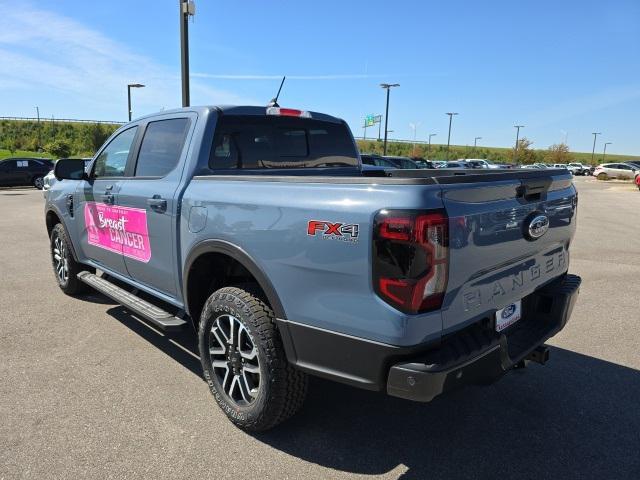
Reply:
x=158, y=317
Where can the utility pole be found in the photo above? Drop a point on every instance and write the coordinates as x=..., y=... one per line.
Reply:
x=604, y=153
x=429, y=150
x=515, y=152
x=593, y=151
x=387, y=87
x=451, y=114
x=187, y=9
x=39, y=131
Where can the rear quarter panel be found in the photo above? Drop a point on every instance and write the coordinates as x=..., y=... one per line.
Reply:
x=320, y=282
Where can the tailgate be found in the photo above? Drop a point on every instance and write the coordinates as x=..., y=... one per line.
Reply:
x=507, y=238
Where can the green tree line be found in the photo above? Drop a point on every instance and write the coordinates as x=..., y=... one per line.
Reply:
x=57, y=139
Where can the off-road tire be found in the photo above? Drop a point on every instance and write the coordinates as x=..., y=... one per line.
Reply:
x=282, y=387
x=69, y=285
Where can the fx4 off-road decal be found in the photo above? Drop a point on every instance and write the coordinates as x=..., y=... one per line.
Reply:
x=118, y=229
x=346, y=232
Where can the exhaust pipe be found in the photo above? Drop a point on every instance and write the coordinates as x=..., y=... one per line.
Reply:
x=539, y=355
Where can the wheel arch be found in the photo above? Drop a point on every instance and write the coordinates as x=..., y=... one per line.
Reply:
x=225, y=250
x=52, y=218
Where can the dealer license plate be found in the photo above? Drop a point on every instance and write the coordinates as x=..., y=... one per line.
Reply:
x=507, y=316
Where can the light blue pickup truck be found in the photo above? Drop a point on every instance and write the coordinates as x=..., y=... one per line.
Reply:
x=258, y=228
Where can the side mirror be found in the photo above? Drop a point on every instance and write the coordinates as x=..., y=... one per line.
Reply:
x=68, y=169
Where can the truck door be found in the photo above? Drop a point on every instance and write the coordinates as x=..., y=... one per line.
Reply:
x=150, y=190
x=102, y=224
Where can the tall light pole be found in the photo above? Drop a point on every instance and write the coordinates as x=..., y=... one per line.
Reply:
x=129, y=87
x=475, y=141
x=187, y=9
x=451, y=114
x=593, y=151
x=515, y=152
x=387, y=87
x=39, y=130
x=414, y=127
x=429, y=151
x=604, y=153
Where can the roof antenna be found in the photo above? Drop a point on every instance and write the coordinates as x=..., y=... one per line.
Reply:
x=274, y=101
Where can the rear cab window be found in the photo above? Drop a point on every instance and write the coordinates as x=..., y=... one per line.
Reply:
x=248, y=142
x=161, y=147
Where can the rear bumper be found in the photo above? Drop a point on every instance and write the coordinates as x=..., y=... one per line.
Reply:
x=478, y=355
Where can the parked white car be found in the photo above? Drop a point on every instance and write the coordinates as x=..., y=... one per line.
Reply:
x=480, y=162
x=578, y=168
x=614, y=170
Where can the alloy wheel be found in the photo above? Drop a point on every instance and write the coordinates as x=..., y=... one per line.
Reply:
x=234, y=358
x=61, y=260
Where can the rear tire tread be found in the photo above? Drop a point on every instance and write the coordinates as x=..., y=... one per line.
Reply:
x=288, y=386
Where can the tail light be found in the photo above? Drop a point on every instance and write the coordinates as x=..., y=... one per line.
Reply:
x=411, y=258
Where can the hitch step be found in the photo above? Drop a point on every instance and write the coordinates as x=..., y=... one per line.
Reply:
x=157, y=316
x=539, y=355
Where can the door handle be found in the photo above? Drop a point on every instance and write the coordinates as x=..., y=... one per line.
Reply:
x=157, y=204
x=107, y=198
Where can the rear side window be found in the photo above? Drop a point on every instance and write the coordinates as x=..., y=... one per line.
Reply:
x=249, y=142
x=161, y=147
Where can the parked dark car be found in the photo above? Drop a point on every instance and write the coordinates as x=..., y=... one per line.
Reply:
x=403, y=162
x=634, y=165
x=422, y=163
x=459, y=164
x=376, y=160
x=24, y=171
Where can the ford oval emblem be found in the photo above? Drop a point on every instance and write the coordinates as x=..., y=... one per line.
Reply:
x=508, y=311
x=538, y=226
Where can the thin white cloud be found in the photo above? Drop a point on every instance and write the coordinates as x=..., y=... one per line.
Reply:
x=41, y=49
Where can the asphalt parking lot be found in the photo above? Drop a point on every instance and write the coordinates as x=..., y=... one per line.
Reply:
x=89, y=391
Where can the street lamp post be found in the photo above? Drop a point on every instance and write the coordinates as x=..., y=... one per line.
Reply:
x=515, y=152
x=39, y=130
x=414, y=127
x=451, y=114
x=604, y=152
x=129, y=87
x=593, y=151
x=429, y=150
x=387, y=87
x=475, y=142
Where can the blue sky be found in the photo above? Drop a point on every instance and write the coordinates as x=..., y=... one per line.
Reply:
x=559, y=67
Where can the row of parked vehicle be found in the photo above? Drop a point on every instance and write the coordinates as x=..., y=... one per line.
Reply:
x=623, y=170
x=412, y=163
